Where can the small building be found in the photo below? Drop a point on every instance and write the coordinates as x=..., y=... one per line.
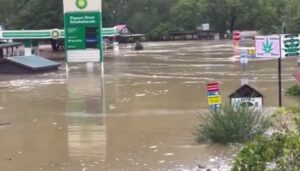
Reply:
x=127, y=35
x=195, y=35
x=247, y=96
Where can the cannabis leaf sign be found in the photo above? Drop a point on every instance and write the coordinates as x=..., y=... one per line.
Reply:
x=267, y=46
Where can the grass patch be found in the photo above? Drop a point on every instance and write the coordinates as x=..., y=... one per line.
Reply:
x=231, y=125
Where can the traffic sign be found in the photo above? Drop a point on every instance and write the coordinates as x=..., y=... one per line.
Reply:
x=213, y=87
x=214, y=100
x=236, y=36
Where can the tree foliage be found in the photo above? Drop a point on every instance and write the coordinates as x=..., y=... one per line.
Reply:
x=148, y=16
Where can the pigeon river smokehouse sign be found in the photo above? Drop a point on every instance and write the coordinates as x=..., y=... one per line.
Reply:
x=83, y=30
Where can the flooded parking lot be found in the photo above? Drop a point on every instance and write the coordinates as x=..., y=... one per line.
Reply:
x=140, y=116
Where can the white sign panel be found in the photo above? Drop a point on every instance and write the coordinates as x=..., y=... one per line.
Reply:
x=256, y=103
x=82, y=5
x=205, y=26
x=267, y=46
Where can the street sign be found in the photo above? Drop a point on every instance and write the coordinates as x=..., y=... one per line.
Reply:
x=251, y=53
x=213, y=95
x=290, y=45
x=83, y=30
x=267, y=46
x=214, y=100
x=236, y=35
x=212, y=87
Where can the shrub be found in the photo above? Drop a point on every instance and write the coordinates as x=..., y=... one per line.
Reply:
x=293, y=91
x=278, y=152
x=296, y=111
x=231, y=125
x=281, y=151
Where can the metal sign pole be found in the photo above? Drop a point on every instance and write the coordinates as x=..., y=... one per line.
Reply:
x=279, y=83
x=279, y=76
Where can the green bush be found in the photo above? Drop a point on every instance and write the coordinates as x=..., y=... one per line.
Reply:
x=280, y=150
x=231, y=125
x=293, y=91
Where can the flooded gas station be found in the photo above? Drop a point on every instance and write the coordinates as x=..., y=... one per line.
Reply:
x=139, y=116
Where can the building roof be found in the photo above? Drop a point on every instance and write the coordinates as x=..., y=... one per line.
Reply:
x=245, y=91
x=6, y=45
x=120, y=27
x=33, y=62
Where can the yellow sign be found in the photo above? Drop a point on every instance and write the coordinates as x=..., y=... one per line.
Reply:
x=214, y=100
x=251, y=52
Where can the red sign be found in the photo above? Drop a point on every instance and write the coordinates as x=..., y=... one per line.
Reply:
x=213, y=87
x=236, y=36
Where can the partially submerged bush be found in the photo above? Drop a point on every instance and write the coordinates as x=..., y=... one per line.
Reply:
x=278, y=152
x=293, y=91
x=231, y=125
x=281, y=151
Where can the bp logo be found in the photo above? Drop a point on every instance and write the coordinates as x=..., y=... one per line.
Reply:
x=81, y=4
x=55, y=34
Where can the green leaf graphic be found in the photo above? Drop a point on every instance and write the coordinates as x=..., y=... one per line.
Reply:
x=267, y=46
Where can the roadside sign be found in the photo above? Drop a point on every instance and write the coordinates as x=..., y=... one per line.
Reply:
x=267, y=46
x=290, y=45
x=213, y=95
x=236, y=36
x=214, y=100
x=213, y=87
x=83, y=30
x=251, y=53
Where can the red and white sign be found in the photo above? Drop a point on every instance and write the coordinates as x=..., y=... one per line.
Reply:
x=236, y=36
x=213, y=87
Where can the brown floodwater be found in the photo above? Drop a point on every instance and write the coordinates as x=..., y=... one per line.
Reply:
x=139, y=116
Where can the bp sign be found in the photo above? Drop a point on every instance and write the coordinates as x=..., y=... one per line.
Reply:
x=83, y=30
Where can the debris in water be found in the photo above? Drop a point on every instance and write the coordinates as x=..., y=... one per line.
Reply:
x=4, y=124
x=161, y=161
x=152, y=147
x=169, y=154
x=140, y=95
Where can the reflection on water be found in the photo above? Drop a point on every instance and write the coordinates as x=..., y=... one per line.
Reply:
x=85, y=116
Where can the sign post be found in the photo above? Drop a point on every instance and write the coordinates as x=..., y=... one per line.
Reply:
x=83, y=30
